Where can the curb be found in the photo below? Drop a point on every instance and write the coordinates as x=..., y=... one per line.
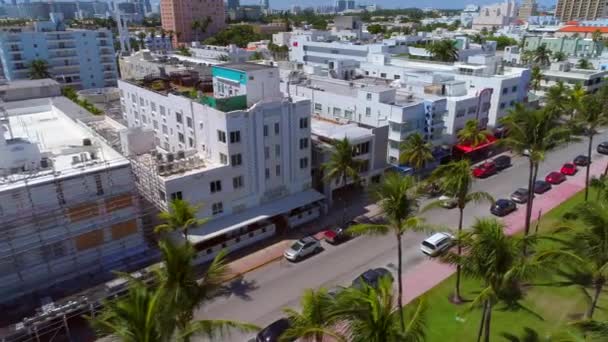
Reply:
x=252, y=268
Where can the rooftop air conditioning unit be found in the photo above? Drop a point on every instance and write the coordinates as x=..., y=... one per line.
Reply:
x=86, y=142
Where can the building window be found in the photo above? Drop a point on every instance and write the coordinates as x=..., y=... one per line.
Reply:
x=180, y=137
x=176, y=196
x=303, y=123
x=514, y=89
x=265, y=130
x=190, y=142
x=276, y=128
x=502, y=105
x=235, y=137
x=277, y=170
x=178, y=117
x=505, y=90
x=397, y=77
x=303, y=163
x=236, y=159
x=369, y=96
x=153, y=106
x=217, y=208
x=360, y=149
x=215, y=186
x=237, y=182
x=460, y=113
x=223, y=158
x=368, y=111
x=267, y=173
x=277, y=150
x=161, y=195
x=337, y=111
x=162, y=110
x=472, y=110
x=165, y=129
x=266, y=152
x=98, y=185
x=189, y=122
x=303, y=143
x=221, y=136
x=155, y=124
x=383, y=75
x=318, y=106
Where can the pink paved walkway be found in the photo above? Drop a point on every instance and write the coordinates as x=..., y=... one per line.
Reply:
x=430, y=273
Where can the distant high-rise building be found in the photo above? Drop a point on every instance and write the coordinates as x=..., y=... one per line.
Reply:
x=350, y=4
x=527, y=9
x=14, y=2
x=233, y=4
x=265, y=4
x=340, y=5
x=178, y=16
x=581, y=9
x=147, y=6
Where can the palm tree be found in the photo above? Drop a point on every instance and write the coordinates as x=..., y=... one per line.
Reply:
x=597, y=330
x=142, y=39
x=205, y=24
x=542, y=55
x=496, y=260
x=591, y=117
x=584, y=63
x=559, y=56
x=342, y=166
x=575, y=99
x=39, y=69
x=195, y=26
x=557, y=99
x=371, y=316
x=472, y=135
x=529, y=335
x=315, y=318
x=587, y=262
x=181, y=216
x=535, y=78
x=397, y=198
x=532, y=132
x=596, y=36
x=415, y=151
x=456, y=181
x=444, y=50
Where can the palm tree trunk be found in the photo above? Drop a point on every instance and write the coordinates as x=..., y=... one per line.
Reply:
x=530, y=201
x=588, y=166
x=596, y=297
x=457, y=298
x=344, y=180
x=606, y=170
x=488, y=321
x=482, y=323
x=400, y=282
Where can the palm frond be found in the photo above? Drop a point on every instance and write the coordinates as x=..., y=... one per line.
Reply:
x=217, y=329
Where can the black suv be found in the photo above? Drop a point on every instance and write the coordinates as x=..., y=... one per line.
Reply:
x=602, y=148
x=371, y=277
x=502, y=162
x=273, y=332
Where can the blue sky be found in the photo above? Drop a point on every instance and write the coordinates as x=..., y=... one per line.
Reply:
x=387, y=3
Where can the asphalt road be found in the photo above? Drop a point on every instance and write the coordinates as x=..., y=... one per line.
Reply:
x=260, y=296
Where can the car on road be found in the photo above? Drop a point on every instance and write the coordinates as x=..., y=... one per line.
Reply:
x=447, y=202
x=502, y=162
x=437, y=244
x=371, y=277
x=520, y=195
x=503, y=207
x=555, y=177
x=273, y=332
x=338, y=234
x=541, y=186
x=602, y=148
x=581, y=160
x=302, y=248
x=568, y=169
x=485, y=170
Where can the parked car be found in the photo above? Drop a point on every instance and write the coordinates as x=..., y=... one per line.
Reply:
x=503, y=207
x=273, y=332
x=555, y=177
x=540, y=187
x=520, y=195
x=302, y=248
x=602, y=148
x=448, y=202
x=581, y=160
x=502, y=162
x=338, y=234
x=371, y=277
x=568, y=169
x=437, y=244
x=485, y=170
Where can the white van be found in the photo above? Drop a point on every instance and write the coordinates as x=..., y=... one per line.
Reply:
x=436, y=244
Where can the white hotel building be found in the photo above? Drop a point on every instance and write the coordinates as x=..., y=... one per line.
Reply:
x=243, y=153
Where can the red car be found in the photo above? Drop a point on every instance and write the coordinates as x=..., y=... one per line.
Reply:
x=569, y=169
x=485, y=170
x=555, y=177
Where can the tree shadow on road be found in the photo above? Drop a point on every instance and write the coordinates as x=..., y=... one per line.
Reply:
x=239, y=287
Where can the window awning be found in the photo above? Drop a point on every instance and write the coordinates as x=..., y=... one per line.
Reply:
x=467, y=148
x=232, y=222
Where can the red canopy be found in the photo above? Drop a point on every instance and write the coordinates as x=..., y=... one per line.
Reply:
x=467, y=148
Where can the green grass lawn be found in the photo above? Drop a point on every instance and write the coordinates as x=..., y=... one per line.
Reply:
x=556, y=306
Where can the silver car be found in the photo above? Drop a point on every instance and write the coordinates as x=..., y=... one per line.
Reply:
x=302, y=248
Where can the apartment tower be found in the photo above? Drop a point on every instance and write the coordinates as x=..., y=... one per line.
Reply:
x=580, y=9
x=527, y=9
x=179, y=16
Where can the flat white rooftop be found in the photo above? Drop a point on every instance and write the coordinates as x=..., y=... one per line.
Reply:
x=336, y=131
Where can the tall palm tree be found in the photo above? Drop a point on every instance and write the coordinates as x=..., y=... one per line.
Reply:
x=472, y=135
x=532, y=132
x=575, y=99
x=371, y=316
x=398, y=198
x=496, y=260
x=415, y=151
x=181, y=216
x=591, y=117
x=596, y=36
x=456, y=181
x=584, y=63
x=315, y=319
x=542, y=55
x=39, y=69
x=557, y=99
x=205, y=24
x=587, y=264
x=142, y=39
x=559, y=56
x=195, y=26
x=342, y=166
x=535, y=78
x=444, y=50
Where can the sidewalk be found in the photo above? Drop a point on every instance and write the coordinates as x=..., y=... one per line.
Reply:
x=430, y=273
